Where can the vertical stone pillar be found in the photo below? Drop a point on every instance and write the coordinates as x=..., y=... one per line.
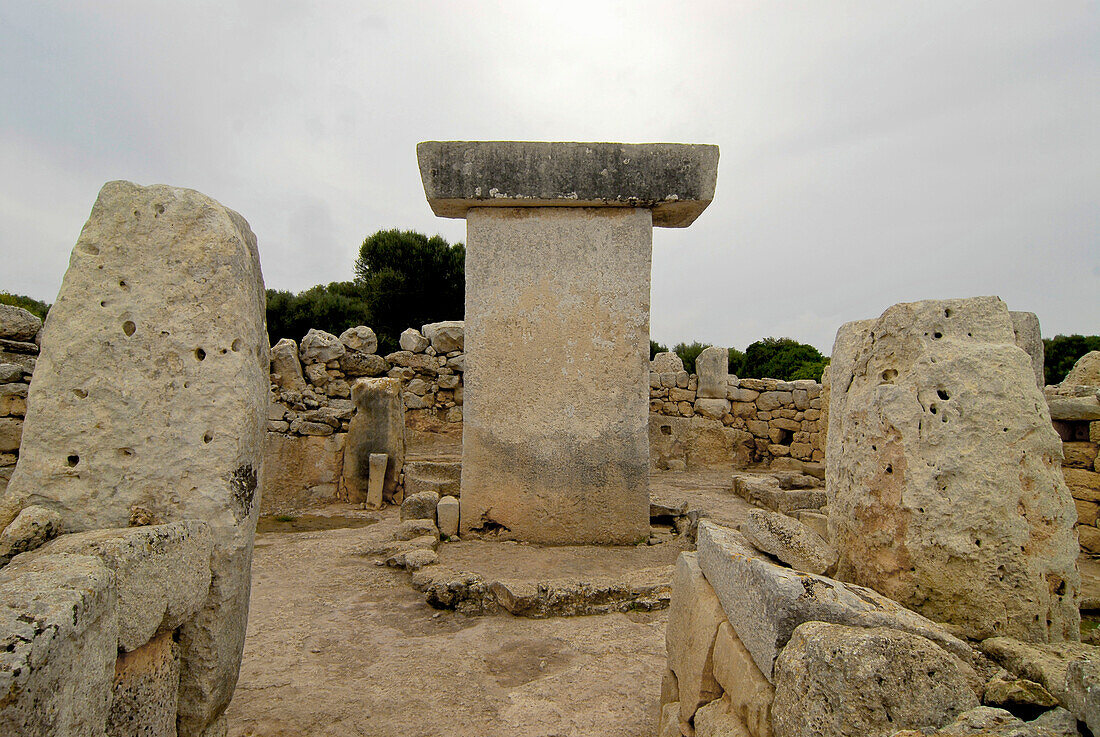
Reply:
x=149, y=400
x=559, y=241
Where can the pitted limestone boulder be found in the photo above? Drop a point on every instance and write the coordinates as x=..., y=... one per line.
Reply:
x=943, y=472
x=150, y=398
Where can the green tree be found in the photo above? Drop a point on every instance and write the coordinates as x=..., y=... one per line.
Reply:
x=1062, y=351
x=39, y=309
x=655, y=348
x=735, y=360
x=408, y=279
x=331, y=307
x=782, y=358
x=688, y=352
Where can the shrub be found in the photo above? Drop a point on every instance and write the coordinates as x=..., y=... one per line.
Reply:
x=36, y=308
x=1062, y=351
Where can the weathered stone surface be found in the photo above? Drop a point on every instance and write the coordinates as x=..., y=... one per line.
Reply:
x=717, y=719
x=667, y=363
x=300, y=471
x=1074, y=409
x=33, y=527
x=945, y=492
x=764, y=491
x=674, y=181
x=1086, y=372
x=145, y=690
x=420, y=506
x=60, y=635
x=162, y=573
x=698, y=442
x=10, y=372
x=377, y=427
x=669, y=722
x=712, y=367
x=360, y=339
x=864, y=682
x=987, y=721
x=555, y=449
x=286, y=370
x=354, y=363
x=712, y=408
x=1005, y=690
x=151, y=391
x=320, y=347
x=446, y=513
x=765, y=602
x=1082, y=695
x=18, y=324
x=693, y=619
x=376, y=480
x=747, y=692
x=1025, y=328
x=414, y=528
x=789, y=540
x=11, y=434
x=445, y=336
x=413, y=340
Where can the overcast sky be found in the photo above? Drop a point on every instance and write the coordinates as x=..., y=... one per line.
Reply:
x=871, y=152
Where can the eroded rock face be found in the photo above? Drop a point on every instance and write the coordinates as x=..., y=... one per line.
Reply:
x=1086, y=372
x=445, y=336
x=712, y=367
x=945, y=491
x=693, y=620
x=833, y=680
x=151, y=392
x=286, y=371
x=360, y=339
x=377, y=427
x=18, y=324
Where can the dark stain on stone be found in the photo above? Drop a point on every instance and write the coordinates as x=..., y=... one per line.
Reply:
x=243, y=485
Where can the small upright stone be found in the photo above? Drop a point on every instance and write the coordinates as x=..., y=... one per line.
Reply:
x=712, y=367
x=446, y=513
x=413, y=341
x=376, y=480
x=286, y=371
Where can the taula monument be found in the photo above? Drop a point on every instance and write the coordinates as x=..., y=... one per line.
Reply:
x=558, y=252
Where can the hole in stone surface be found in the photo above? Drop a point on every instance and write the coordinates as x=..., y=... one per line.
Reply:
x=80, y=393
x=73, y=460
x=103, y=303
x=160, y=210
x=137, y=213
x=970, y=335
x=937, y=335
x=943, y=395
x=200, y=354
x=123, y=285
x=666, y=429
x=223, y=351
x=90, y=249
x=236, y=345
x=126, y=452
x=933, y=409
x=978, y=542
x=889, y=375
x=207, y=436
x=129, y=327
x=947, y=312
x=889, y=468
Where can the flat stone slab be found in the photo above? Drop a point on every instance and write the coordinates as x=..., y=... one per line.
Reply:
x=490, y=577
x=676, y=181
x=766, y=602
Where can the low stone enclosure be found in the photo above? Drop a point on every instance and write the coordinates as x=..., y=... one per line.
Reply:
x=929, y=583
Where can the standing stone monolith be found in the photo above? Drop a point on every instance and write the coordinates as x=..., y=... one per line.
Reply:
x=943, y=472
x=712, y=368
x=558, y=252
x=149, y=401
x=378, y=427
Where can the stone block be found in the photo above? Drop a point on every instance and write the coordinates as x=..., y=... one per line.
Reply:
x=145, y=690
x=837, y=680
x=1085, y=372
x=446, y=336
x=1079, y=455
x=1082, y=484
x=712, y=408
x=300, y=471
x=666, y=363
x=674, y=181
x=420, y=506
x=360, y=339
x=377, y=427
x=1074, y=409
x=376, y=480
x=447, y=516
x=747, y=692
x=764, y=491
x=716, y=719
x=320, y=347
x=788, y=540
x=162, y=573
x=413, y=341
x=18, y=324
x=1025, y=329
x=60, y=633
x=938, y=451
x=286, y=370
x=161, y=309
x=693, y=619
x=712, y=368
x=765, y=602
x=31, y=528
x=356, y=364
x=11, y=433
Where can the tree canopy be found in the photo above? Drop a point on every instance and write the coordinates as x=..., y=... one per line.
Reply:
x=782, y=358
x=1062, y=351
x=31, y=305
x=688, y=352
x=331, y=307
x=408, y=279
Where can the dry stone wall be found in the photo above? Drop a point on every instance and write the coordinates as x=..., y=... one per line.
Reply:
x=19, y=331
x=1075, y=411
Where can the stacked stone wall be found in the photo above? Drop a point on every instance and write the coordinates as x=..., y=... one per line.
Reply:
x=1075, y=412
x=18, y=353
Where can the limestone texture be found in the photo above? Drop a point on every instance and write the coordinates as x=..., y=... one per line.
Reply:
x=747, y=692
x=377, y=427
x=320, y=347
x=717, y=719
x=376, y=480
x=667, y=363
x=162, y=573
x=33, y=527
x=765, y=602
x=18, y=324
x=286, y=370
x=788, y=540
x=1025, y=326
x=446, y=513
x=300, y=471
x=832, y=680
x=712, y=368
x=420, y=506
x=151, y=392
x=60, y=635
x=445, y=336
x=360, y=339
x=988, y=721
x=675, y=181
x=555, y=450
x=942, y=471
x=144, y=691
x=413, y=340
x=693, y=619
x=1086, y=372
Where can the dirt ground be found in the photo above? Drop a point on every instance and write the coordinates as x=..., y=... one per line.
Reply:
x=337, y=645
